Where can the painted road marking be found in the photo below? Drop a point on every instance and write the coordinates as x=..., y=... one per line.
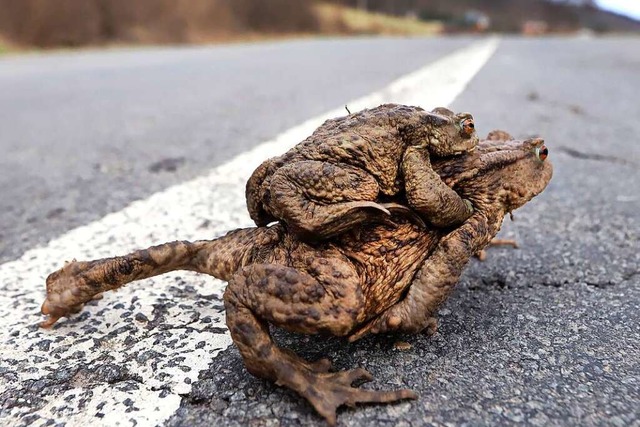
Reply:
x=154, y=365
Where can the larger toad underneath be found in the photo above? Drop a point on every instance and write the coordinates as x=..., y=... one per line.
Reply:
x=372, y=279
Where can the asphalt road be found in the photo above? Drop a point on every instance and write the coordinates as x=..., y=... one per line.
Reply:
x=85, y=134
x=548, y=334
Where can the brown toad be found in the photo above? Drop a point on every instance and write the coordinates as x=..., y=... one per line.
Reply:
x=371, y=279
x=340, y=176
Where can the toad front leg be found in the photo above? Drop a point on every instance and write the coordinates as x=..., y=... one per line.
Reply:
x=322, y=199
x=428, y=194
x=327, y=299
x=434, y=281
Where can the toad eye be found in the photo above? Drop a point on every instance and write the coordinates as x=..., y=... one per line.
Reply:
x=467, y=127
x=542, y=153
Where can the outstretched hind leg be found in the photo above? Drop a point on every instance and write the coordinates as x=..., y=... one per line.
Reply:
x=328, y=301
x=322, y=199
x=70, y=287
x=78, y=282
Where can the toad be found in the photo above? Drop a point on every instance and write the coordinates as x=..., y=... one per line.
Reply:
x=374, y=278
x=341, y=175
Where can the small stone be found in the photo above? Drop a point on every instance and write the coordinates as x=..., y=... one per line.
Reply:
x=402, y=345
x=140, y=317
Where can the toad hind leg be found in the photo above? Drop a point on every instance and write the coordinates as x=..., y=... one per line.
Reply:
x=70, y=287
x=299, y=302
x=81, y=281
x=321, y=199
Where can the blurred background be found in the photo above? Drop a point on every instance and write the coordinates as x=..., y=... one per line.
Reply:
x=125, y=107
x=71, y=23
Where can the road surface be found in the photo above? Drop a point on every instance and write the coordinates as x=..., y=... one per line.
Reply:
x=104, y=152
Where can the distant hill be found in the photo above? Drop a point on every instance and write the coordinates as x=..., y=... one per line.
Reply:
x=508, y=15
x=69, y=23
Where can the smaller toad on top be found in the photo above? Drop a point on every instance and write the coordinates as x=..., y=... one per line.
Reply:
x=342, y=175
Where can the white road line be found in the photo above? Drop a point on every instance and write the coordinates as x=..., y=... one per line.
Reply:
x=110, y=335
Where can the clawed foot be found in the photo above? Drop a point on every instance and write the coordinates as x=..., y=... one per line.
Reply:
x=332, y=220
x=345, y=216
x=67, y=293
x=327, y=391
x=402, y=210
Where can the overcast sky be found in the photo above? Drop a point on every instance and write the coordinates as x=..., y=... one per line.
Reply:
x=626, y=7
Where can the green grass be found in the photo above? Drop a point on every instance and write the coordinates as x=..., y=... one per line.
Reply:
x=5, y=47
x=361, y=22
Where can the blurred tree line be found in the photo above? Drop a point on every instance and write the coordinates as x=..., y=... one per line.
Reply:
x=46, y=23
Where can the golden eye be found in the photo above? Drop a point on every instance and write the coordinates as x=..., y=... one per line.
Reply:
x=468, y=127
x=542, y=153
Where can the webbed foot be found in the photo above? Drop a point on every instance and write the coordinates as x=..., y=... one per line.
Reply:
x=55, y=312
x=78, y=282
x=67, y=292
x=328, y=391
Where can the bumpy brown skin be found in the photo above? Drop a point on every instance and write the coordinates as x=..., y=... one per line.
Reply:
x=341, y=175
x=371, y=279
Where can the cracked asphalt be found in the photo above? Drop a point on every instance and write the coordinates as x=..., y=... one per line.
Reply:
x=544, y=335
